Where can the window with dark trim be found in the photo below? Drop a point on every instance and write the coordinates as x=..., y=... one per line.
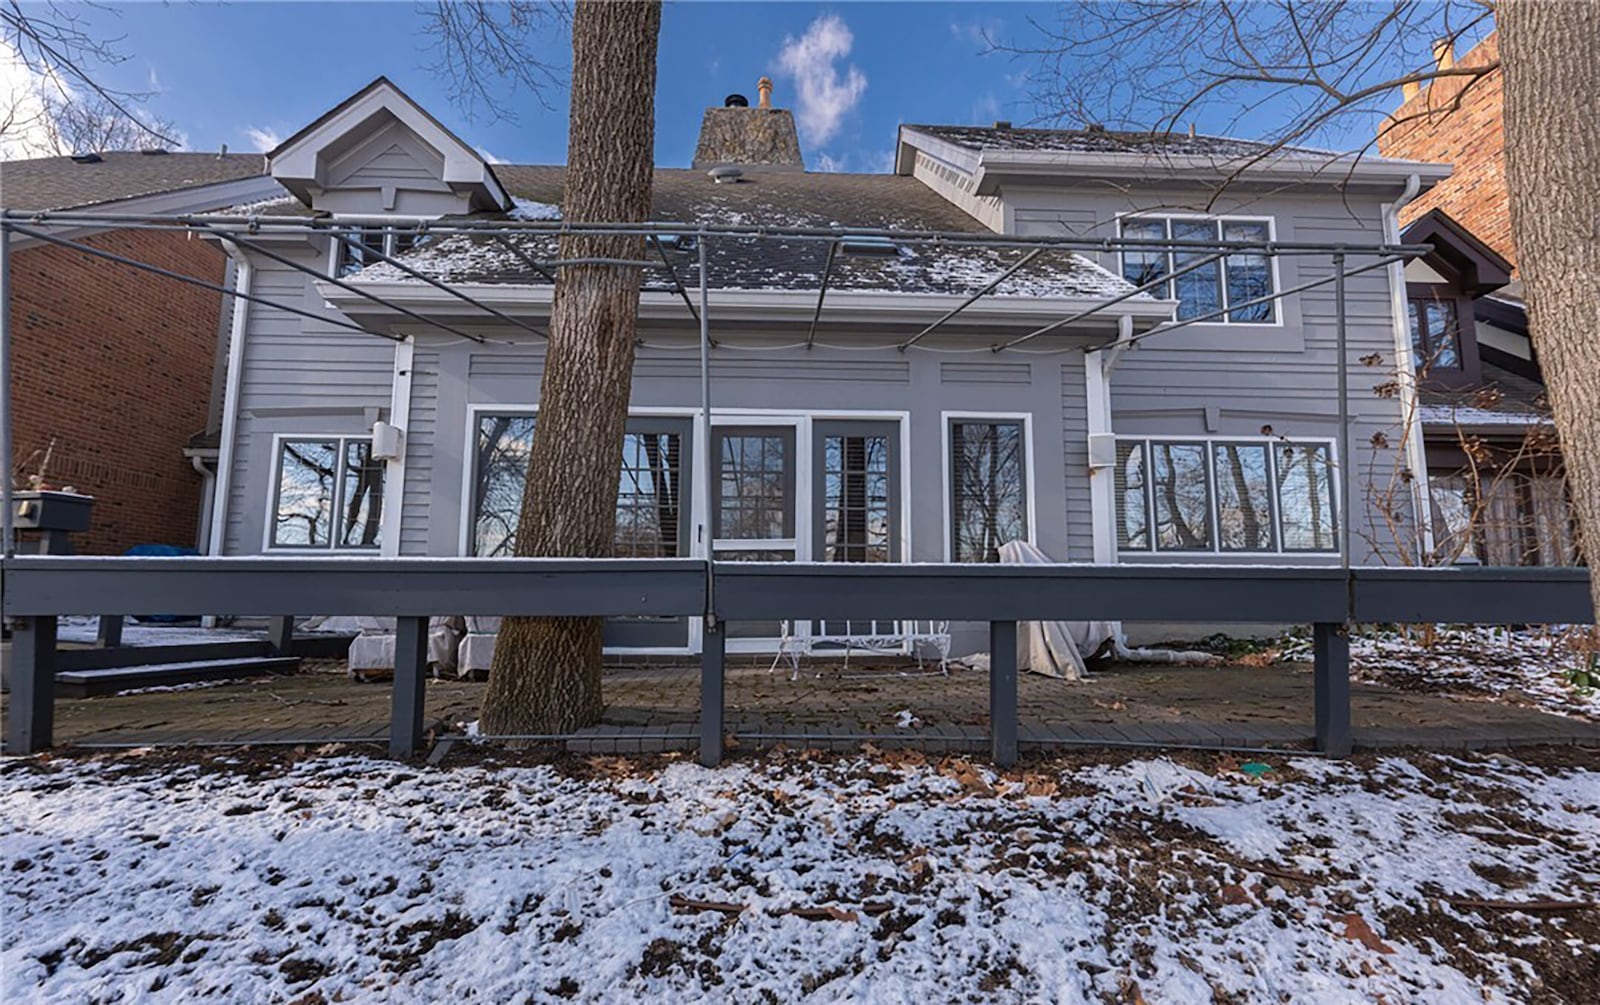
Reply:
x=1501, y=517
x=1435, y=333
x=328, y=494
x=1232, y=282
x=988, y=488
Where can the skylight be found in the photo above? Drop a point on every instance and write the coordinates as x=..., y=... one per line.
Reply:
x=858, y=244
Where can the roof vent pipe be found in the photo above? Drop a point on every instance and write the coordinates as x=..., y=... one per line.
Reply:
x=725, y=174
x=1444, y=53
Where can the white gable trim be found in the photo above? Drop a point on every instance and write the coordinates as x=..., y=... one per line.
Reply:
x=301, y=167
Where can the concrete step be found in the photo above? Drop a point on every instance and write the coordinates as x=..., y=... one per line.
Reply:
x=84, y=683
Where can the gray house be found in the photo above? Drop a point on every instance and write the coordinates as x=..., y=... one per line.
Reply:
x=840, y=435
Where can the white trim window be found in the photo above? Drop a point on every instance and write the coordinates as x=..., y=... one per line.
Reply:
x=1204, y=290
x=327, y=494
x=350, y=257
x=1225, y=496
x=988, y=483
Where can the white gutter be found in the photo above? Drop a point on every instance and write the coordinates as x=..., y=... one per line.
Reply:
x=1415, y=449
x=230, y=400
x=1333, y=169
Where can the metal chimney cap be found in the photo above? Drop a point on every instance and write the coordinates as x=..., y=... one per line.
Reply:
x=736, y=101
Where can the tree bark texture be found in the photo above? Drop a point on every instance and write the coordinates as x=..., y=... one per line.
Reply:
x=1551, y=60
x=545, y=678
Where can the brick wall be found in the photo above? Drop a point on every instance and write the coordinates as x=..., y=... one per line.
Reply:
x=114, y=365
x=1457, y=121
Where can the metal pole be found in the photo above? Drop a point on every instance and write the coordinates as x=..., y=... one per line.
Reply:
x=706, y=440
x=822, y=291
x=8, y=542
x=1346, y=466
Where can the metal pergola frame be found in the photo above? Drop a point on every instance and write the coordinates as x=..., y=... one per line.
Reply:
x=244, y=229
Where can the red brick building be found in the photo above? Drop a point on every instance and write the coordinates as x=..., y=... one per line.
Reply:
x=1457, y=120
x=116, y=370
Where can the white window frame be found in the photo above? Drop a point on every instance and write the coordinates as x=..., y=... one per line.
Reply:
x=1214, y=514
x=390, y=228
x=268, y=545
x=1031, y=489
x=1221, y=219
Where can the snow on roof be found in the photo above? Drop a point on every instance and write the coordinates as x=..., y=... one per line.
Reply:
x=790, y=199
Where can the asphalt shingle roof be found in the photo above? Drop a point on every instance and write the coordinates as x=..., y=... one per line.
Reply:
x=60, y=182
x=779, y=198
x=1103, y=141
x=1501, y=397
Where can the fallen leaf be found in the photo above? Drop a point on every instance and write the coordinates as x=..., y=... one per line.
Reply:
x=1356, y=928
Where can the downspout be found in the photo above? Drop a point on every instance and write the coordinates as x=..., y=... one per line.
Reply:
x=1416, y=453
x=208, y=488
x=1097, y=370
x=230, y=401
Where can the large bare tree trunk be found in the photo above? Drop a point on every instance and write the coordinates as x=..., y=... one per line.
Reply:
x=546, y=672
x=1551, y=54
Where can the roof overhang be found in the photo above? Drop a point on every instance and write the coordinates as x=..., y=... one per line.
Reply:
x=990, y=168
x=759, y=306
x=1481, y=268
x=195, y=199
x=301, y=162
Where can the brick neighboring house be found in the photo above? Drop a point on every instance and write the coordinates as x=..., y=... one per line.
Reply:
x=1457, y=121
x=118, y=371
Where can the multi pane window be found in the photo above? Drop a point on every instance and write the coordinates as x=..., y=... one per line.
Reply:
x=1224, y=496
x=1225, y=287
x=988, y=488
x=328, y=495
x=1435, y=333
x=755, y=494
x=1503, y=518
x=855, y=498
x=651, y=514
x=365, y=245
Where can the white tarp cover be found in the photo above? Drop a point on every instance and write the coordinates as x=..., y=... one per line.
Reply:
x=1054, y=648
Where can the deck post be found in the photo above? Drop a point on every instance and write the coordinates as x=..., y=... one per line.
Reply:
x=1331, y=648
x=30, y=720
x=410, y=686
x=1003, y=692
x=713, y=653
x=109, y=634
x=280, y=635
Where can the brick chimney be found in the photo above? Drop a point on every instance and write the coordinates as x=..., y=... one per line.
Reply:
x=739, y=135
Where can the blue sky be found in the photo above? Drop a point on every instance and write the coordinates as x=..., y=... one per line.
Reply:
x=242, y=73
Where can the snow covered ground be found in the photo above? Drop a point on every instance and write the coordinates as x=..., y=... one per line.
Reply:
x=1532, y=667
x=871, y=878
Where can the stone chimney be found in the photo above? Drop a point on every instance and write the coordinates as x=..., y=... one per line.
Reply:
x=1444, y=53
x=739, y=135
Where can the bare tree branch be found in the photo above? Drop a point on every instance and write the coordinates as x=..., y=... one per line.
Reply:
x=54, y=42
x=484, y=51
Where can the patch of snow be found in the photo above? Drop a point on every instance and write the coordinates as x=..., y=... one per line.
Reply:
x=1465, y=415
x=261, y=205
x=350, y=879
x=532, y=209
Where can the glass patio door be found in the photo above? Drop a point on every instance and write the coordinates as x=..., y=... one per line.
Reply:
x=856, y=510
x=753, y=516
x=653, y=518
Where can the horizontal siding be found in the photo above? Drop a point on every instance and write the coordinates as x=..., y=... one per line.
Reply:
x=421, y=441
x=1079, y=513
x=985, y=373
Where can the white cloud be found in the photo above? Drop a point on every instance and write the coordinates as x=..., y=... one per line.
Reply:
x=25, y=126
x=831, y=164
x=264, y=140
x=823, y=95
x=977, y=33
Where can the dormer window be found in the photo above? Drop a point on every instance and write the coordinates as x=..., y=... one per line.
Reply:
x=353, y=255
x=1435, y=332
x=1230, y=290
